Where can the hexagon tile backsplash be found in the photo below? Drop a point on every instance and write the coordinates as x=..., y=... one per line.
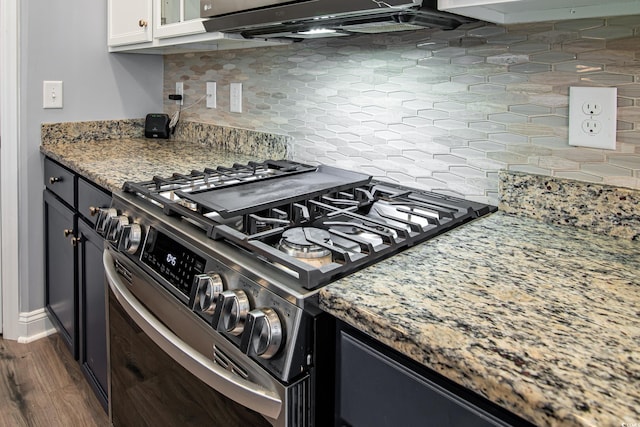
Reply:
x=439, y=110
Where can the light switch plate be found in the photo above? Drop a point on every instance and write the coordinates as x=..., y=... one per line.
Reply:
x=51, y=94
x=592, y=117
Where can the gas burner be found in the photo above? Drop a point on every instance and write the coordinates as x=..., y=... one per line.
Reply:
x=307, y=244
x=370, y=233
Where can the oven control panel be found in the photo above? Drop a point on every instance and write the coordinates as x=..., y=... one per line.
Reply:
x=175, y=263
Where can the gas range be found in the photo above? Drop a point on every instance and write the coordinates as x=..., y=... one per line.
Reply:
x=317, y=223
x=246, y=248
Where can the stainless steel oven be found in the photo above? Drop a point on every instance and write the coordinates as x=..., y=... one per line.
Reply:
x=168, y=368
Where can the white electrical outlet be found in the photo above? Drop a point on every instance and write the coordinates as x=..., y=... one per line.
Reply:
x=180, y=91
x=591, y=127
x=235, y=101
x=592, y=108
x=211, y=95
x=51, y=94
x=592, y=117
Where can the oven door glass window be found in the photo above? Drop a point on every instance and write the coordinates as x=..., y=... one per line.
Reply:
x=148, y=388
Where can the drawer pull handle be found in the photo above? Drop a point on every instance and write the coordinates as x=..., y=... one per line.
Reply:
x=93, y=210
x=75, y=241
x=67, y=232
x=55, y=179
x=142, y=23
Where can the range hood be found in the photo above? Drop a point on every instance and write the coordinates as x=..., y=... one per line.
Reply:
x=323, y=18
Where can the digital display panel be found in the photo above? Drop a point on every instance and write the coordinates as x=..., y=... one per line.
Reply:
x=172, y=261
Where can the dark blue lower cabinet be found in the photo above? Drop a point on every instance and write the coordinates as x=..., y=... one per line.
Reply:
x=377, y=387
x=75, y=293
x=61, y=293
x=93, y=327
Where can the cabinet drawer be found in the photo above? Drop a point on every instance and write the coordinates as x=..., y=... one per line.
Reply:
x=59, y=180
x=90, y=196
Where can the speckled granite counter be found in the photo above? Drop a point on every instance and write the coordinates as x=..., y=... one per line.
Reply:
x=110, y=152
x=539, y=318
x=112, y=162
x=598, y=208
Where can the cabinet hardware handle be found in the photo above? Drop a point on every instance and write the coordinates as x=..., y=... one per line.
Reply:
x=55, y=179
x=142, y=23
x=67, y=232
x=93, y=210
x=75, y=241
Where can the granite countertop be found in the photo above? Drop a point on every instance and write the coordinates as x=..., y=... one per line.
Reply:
x=109, y=163
x=111, y=152
x=540, y=318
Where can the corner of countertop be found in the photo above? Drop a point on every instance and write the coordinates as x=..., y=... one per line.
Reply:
x=87, y=131
x=235, y=140
x=598, y=208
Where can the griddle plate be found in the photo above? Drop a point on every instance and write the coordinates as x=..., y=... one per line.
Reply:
x=259, y=195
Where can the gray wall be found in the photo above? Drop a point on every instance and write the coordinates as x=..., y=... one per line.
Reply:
x=67, y=40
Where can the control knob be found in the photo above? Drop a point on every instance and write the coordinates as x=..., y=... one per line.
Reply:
x=104, y=220
x=116, y=225
x=231, y=312
x=209, y=286
x=130, y=238
x=265, y=334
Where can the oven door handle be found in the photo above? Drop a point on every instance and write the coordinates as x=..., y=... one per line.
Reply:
x=246, y=393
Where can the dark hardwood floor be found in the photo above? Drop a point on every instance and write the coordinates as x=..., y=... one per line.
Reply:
x=41, y=385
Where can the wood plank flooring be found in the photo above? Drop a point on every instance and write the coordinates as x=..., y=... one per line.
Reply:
x=41, y=385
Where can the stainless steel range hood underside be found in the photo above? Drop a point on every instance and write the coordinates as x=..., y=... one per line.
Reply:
x=327, y=18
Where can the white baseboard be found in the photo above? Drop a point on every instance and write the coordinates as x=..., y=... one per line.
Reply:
x=34, y=325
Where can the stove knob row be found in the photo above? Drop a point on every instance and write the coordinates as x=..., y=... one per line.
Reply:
x=118, y=230
x=260, y=330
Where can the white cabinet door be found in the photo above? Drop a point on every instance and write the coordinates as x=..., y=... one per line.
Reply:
x=174, y=18
x=129, y=21
x=167, y=26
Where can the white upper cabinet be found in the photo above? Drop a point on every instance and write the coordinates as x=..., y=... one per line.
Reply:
x=174, y=18
x=521, y=11
x=165, y=27
x=129, y=21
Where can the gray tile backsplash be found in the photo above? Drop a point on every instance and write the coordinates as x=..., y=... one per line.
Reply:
x=439, y=110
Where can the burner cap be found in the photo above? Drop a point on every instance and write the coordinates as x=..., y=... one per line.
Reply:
x=295, y=242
